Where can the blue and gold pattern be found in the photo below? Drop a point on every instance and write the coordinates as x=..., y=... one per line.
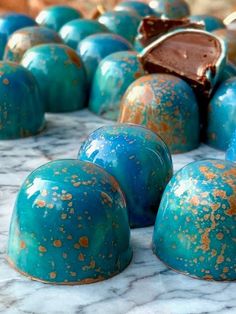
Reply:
x=69, y=225
x=167, y=105
x=26, y=38
x=112, y=78
x=195, y=229
x=60, y=74
x=21, y=107
x=139, y=160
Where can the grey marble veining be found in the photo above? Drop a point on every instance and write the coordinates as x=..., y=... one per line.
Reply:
x=146, y=286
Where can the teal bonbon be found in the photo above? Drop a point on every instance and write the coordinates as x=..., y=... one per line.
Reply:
x=76, y=30
x=21, y=107
x=123, y=23
x=26, y=38
x=96, y=47
x=167, y=105
x=195, y=226
x=113, y=76
x=69, y=225
x=55, y=17
x=60, y=74
x=139, y=160
x=221, y=117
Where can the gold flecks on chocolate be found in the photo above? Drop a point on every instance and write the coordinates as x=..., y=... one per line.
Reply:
x=63, y=216
x=42, y=249
x=40, y=203
x=57, y=243
x=83, y=241
x=81, y=257
x=5, y=81
x=66, y=197
x=53, y=275
x=22, y=245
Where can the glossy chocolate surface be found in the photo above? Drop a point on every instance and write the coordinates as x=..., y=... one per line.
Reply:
x=69, y=225
x=60, y=74
x=55, y=17
x=96, y=47
x=139, y=160
x=26, y=38
x=113, y=76
x=21, y=105
x=231, y=151
x=195, y=227
x=152, y=27
x=167, y=105
x=122, y=23
x=191, y=54
x=221, y=117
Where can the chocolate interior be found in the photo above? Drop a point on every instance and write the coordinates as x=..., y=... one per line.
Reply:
x=185, y=54
x=152, y=28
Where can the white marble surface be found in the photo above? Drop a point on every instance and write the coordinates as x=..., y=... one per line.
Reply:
x=146, y=286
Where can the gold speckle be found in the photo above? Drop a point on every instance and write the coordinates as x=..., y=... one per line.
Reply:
x=220, y=236
x=83, y=241
x=42, y=249
x=81, y=257
x=220, y=259
x=57, y=243
x=76, y=245
x=41, y=203
x=73, y=274
x=22, y=245
x=66, y=197
x=63, y=216
x=44, y=193
x=53, y=275
x=5, y=81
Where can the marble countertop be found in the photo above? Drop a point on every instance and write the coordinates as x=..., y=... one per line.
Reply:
x=146, y=286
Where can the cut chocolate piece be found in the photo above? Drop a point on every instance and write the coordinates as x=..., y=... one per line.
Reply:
x=194, y=55
x=152, y=27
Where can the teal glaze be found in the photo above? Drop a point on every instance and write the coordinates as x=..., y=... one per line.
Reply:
x=174, y=9
x=113, y=76
x=74, y=31
x=69, y=225
x=228, y=72
x=27, y=37
x=3, y=42
x=212, y=23
x=139, y=160
x=167, y=105
x=96, y=47
x=60, y=74
x=55, y=17
x=195, y=226
x=141, y=8
x=231, y=151
x=122, y=23
x=21, y=107
x=11, y=22
x=221, y=119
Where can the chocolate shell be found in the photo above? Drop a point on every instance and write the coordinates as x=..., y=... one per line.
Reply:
x=194, y=55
